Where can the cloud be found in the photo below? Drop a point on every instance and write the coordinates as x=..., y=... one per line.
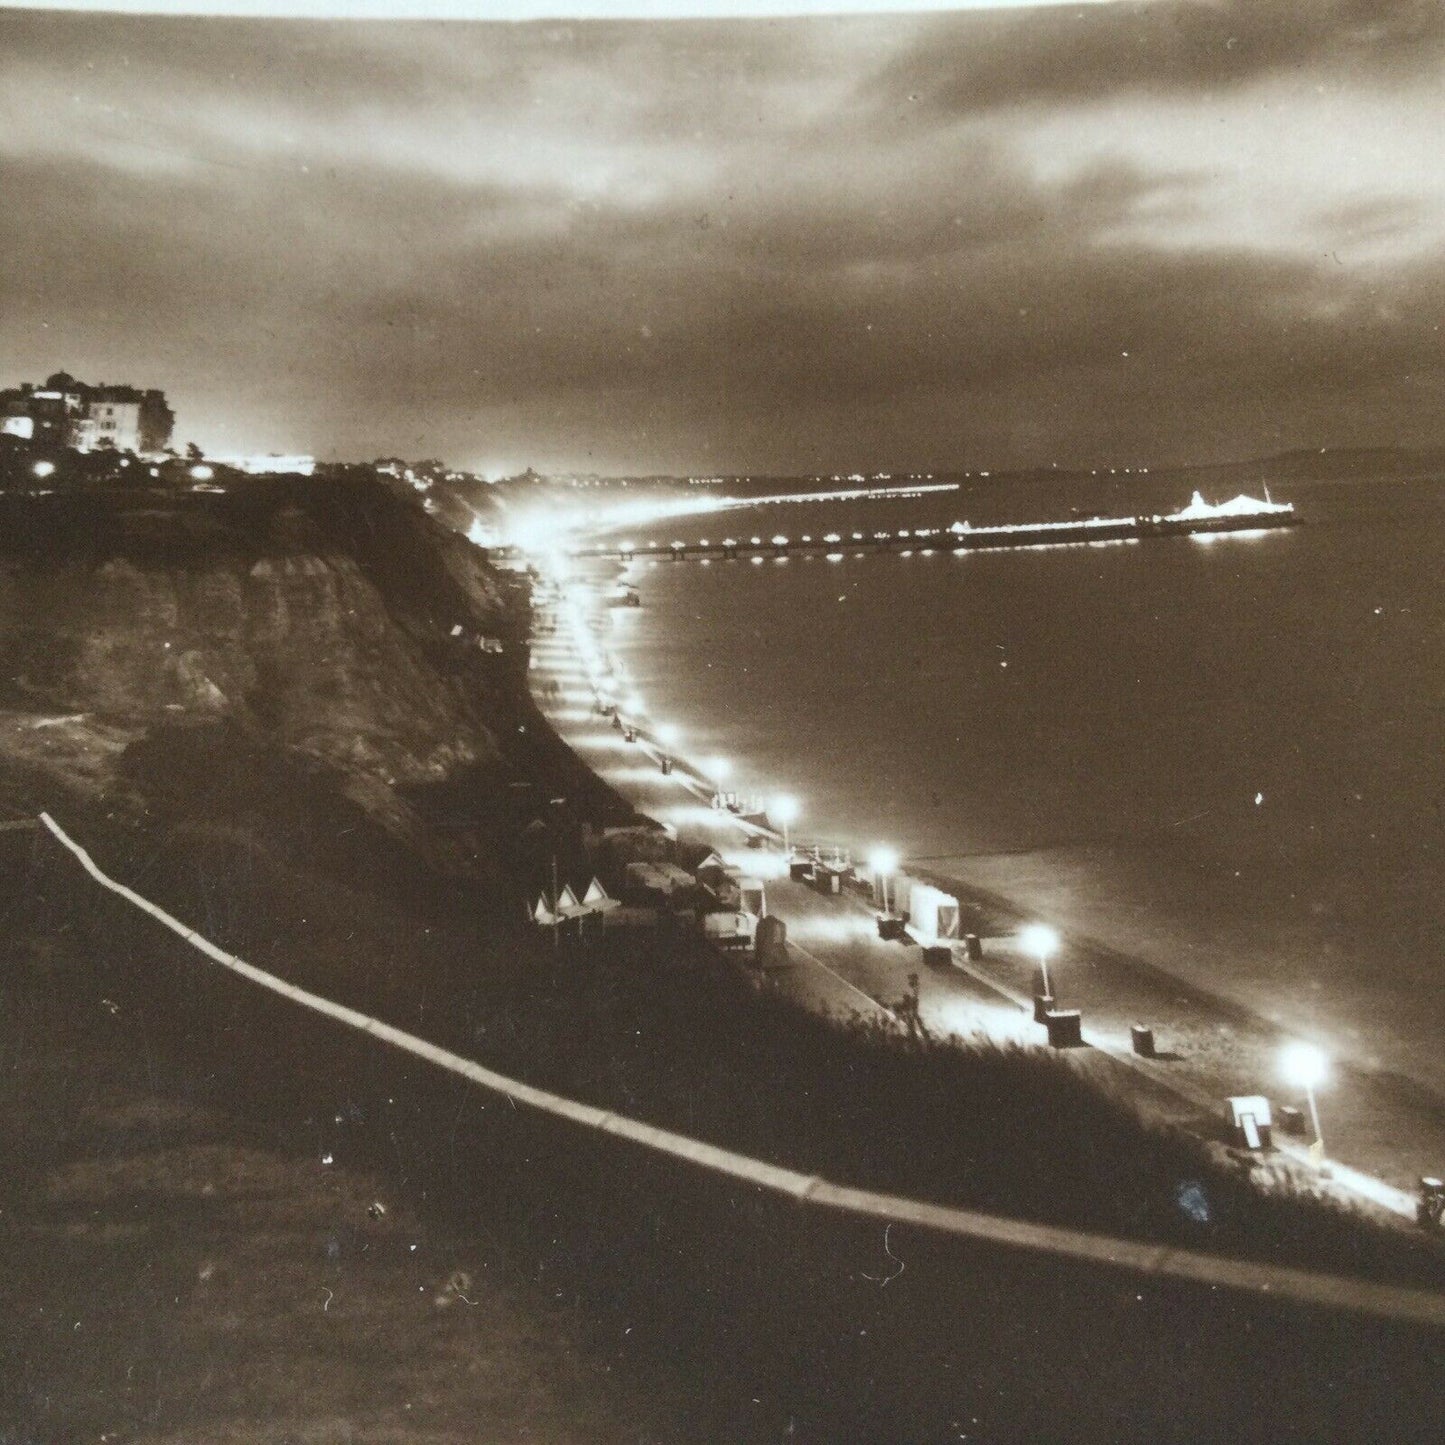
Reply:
x=777, y=245
x=971, y=64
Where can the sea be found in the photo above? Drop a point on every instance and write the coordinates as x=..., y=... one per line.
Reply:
x=1221, y=756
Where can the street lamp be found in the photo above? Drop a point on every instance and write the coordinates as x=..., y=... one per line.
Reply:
x=785, y=809
x=1306, y=1067
x=883, y=862
x=667, y=736
x=1041, y=940
x=717, y=771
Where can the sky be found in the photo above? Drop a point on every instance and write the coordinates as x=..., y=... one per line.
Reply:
x=1118, y=234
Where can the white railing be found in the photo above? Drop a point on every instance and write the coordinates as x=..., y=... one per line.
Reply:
x=1394, y=1302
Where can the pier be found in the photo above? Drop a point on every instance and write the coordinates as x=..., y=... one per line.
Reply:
x=1244, y=514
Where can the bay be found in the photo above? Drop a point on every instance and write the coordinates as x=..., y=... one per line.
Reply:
x=1220, y=756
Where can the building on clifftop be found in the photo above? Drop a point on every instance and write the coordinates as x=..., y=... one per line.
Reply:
x=71, y=413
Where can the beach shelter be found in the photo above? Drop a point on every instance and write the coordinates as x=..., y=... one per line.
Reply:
x=543, y=916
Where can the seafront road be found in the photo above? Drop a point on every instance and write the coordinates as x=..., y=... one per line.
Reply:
x=1382, y=1132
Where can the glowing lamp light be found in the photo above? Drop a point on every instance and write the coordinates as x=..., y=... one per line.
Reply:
x=1303, y=1065
x=883, y=862
x=1041, y=941
x=719, y=769
x=668, y=734
x=1306, y=1067
x=202, y=473
x=635, y=704
x=785, y=810
x=43, y=469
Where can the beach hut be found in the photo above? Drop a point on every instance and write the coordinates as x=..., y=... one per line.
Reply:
x=710, y=869
x=1249, y=1120
x=680, y=879
x=932, y=913
x=647, y=878
x=752, y=897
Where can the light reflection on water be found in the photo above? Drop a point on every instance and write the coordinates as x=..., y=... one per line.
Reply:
x=1099, y=721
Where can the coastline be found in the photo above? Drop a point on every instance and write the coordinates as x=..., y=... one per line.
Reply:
x=1387, y=1123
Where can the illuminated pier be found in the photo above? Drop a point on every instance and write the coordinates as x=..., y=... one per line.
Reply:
x=1243, y=514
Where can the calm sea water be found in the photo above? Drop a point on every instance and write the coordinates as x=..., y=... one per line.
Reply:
x=1222, y=756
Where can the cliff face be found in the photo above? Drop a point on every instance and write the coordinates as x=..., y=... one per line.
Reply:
x=301, y=647
x=310, y=625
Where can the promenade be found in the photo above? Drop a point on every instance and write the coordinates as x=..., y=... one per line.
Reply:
x=1381, y=1131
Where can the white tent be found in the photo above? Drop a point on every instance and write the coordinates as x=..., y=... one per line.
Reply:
x=568, y=906
x=597, y=899
x=541, y=914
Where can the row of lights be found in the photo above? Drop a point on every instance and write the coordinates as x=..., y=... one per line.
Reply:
x=199, y=472
x=1301, y=1064
x=784, y=807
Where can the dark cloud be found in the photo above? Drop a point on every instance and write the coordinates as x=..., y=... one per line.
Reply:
x=967, y=64
x=640, y=246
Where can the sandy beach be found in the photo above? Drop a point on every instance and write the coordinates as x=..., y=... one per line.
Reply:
x=1382, y=1130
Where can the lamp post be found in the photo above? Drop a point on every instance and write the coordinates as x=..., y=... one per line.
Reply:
x=883, y=862
x=1306, y=1067
x=667, y=736
x=1041, y=940
x=718, y=770
x=633, y=708
x=786, y=811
